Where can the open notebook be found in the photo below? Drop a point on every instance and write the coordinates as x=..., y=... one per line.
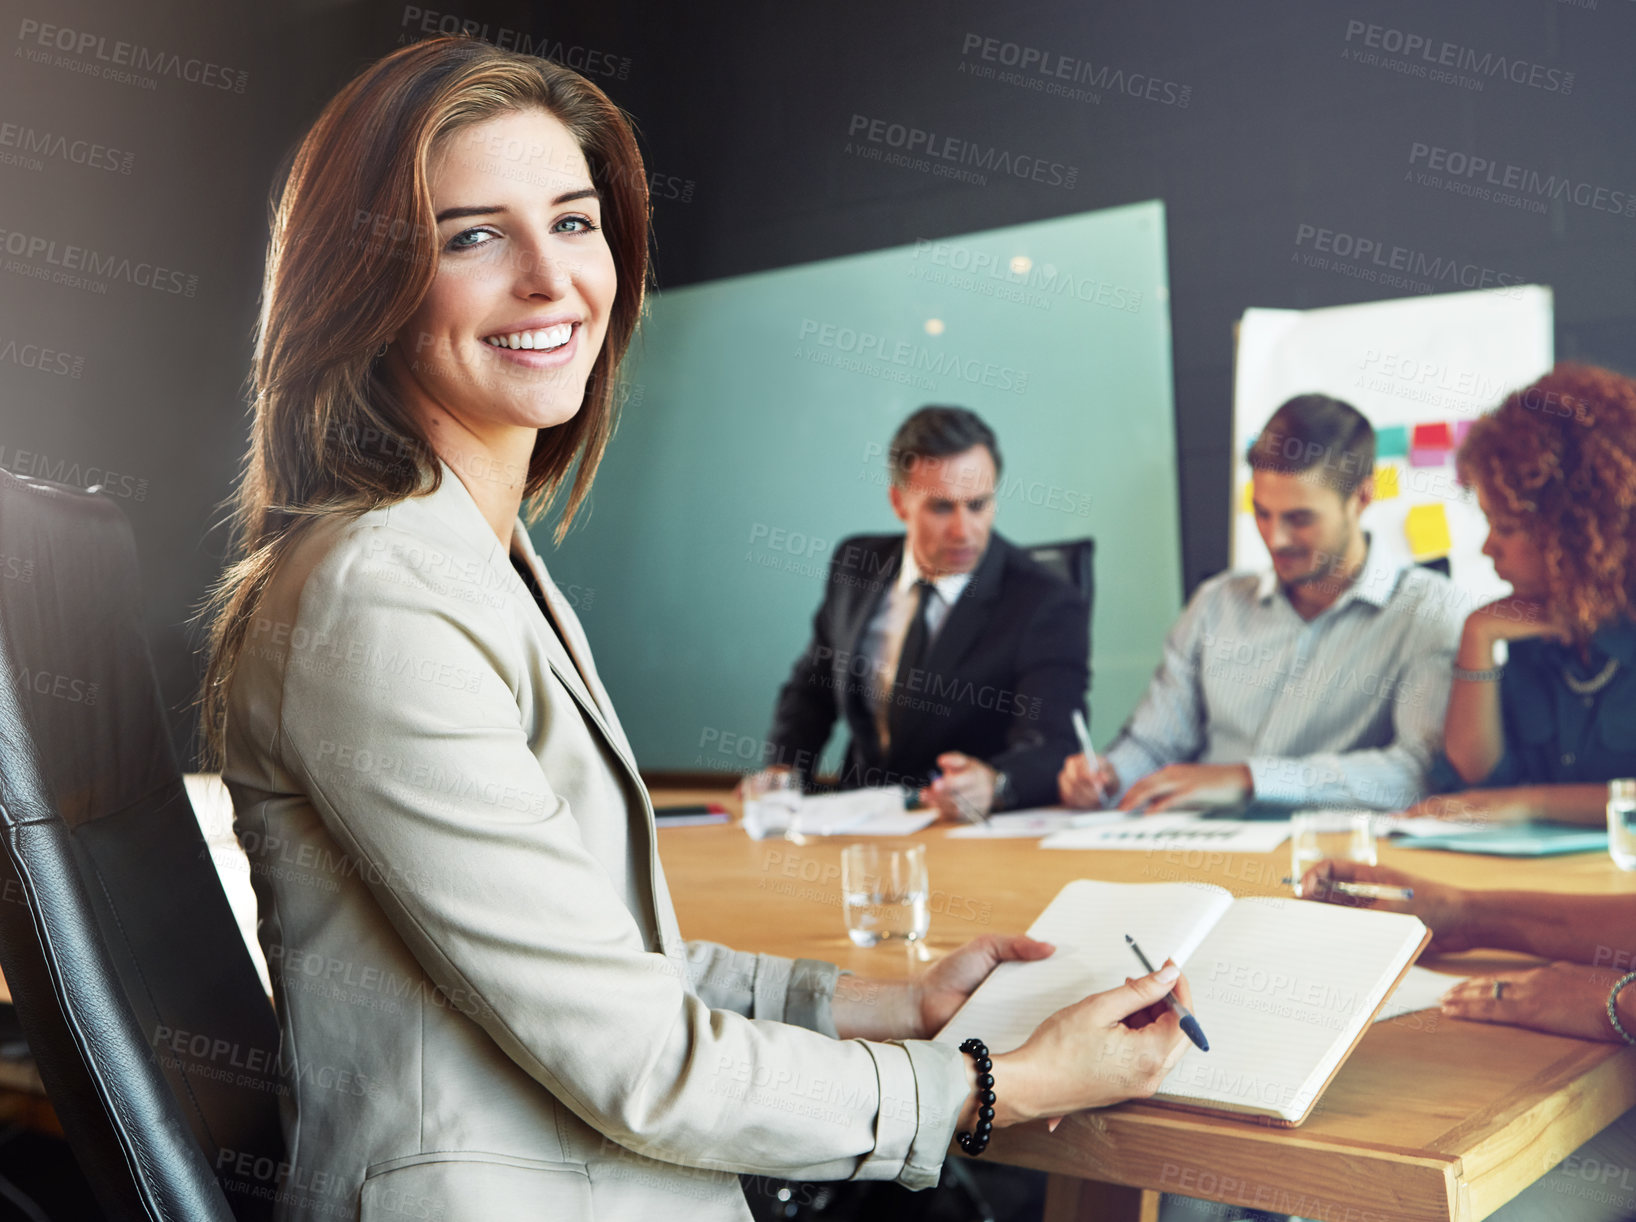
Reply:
x=1283, y=988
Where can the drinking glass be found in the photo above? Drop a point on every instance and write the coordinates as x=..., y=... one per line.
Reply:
x=772, y=799
x=1622, y=823
x=885, y=893
x=1319, y=835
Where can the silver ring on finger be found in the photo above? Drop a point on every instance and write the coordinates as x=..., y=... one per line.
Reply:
x=1499, y=989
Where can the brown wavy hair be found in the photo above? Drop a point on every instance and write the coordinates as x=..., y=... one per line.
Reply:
x=352, y=252
x=1561, y=456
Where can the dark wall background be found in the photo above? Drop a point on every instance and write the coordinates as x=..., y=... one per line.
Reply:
x=1258, y=123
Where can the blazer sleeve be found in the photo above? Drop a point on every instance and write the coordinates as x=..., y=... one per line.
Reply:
x=447, y=814
x=1053, y=669
x=808, y=703
x=798, y=991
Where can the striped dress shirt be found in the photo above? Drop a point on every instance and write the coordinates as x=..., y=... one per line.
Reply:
x=1345, y=709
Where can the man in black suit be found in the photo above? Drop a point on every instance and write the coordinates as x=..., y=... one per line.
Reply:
x=954, y=658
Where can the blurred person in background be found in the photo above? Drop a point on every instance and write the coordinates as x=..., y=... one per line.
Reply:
x=1539, y=731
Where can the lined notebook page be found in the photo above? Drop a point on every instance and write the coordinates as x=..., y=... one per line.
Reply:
x=1281, y=988
x=1087, y=922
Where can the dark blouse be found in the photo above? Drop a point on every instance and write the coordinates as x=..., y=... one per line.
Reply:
x=523, y=571
x=1553, y=734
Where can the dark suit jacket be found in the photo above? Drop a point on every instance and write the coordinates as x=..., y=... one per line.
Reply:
x=1004, y=673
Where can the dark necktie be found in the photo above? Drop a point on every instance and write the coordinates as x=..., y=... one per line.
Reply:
x=911, y=658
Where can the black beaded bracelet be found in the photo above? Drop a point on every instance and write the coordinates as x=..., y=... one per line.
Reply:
x=975, y=1142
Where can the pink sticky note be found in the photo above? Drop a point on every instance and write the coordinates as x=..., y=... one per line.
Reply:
x=1427, y=458
x=1461, y=428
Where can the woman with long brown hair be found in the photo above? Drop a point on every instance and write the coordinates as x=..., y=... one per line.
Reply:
x=1541, y=733
x=487, y=1008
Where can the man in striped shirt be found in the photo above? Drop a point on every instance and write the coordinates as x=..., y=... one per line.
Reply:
x=1321, y=682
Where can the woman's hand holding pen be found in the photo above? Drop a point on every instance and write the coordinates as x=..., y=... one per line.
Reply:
x=1447, y=911
x=1110, y=1047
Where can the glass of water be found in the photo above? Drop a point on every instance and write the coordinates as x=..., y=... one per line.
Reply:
x=772, y=799
x=1622, y=823
x=884, y=892
x=1320, y=835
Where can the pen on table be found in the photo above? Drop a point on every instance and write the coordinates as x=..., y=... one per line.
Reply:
x=1189, y=1024
x=1083, y=733
x=1363, y=891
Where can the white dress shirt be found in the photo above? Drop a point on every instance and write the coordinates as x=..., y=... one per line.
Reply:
x=1345, y=709
x=883, y=639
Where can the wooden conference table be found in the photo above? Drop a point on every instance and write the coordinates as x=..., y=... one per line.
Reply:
x=1430, y=1119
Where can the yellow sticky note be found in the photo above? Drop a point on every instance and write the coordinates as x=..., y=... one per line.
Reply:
x=1428, y=529
x=1385, y=483
x=1246, y=505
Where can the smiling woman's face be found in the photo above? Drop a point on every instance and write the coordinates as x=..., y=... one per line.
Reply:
x=509, y=330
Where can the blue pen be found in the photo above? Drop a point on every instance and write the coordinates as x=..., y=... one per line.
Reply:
x=1189, y=1023
x=911, y=797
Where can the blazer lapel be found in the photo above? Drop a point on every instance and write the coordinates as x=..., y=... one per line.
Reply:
x=573, y=666
x=453, y=506
x=578, y=674
x=886, y=564
x=971, y=612
x=455, y=511
x=964, y=627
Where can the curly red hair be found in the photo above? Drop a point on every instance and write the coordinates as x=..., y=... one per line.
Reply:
x=1561, y=454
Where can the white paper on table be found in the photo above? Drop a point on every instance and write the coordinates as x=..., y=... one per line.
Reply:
x=1145, y=832
x=901, y=823
x=1096, y=818
x=1041, y=821
x=1015, y=824
x=1419, y=990
x=1428, y=826
x=859, y=812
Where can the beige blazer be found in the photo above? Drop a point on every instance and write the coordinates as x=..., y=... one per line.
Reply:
x=487, y=1009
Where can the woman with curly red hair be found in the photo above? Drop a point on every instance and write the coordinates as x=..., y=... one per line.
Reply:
x=1541, y=733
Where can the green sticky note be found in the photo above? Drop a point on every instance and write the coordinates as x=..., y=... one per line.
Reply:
x=1392, y=442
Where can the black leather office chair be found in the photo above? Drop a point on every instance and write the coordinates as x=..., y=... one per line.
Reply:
x=1073, y=560
x=156, y=1043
